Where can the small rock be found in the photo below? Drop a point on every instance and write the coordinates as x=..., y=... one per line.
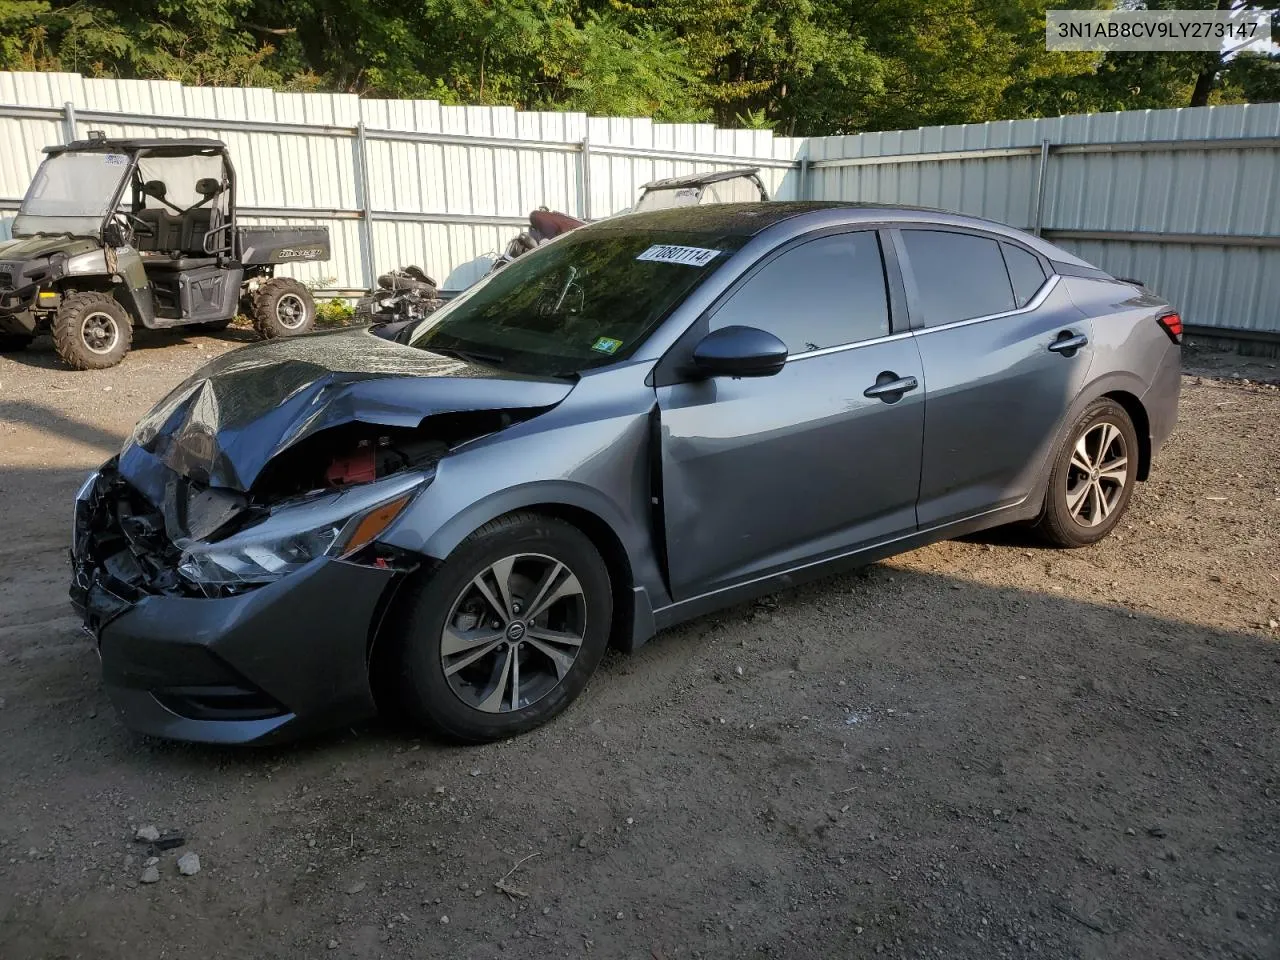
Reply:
x=356, y=887
x=618, y=916
x=582, y=842
x=1273, y=623
x=189, y=864
x=150, y=861
x=475, y=772
x=546, y=911
x=444, y=919
x=1242, y=915
x=738, y=670
x=147, y=834
x=1157, y=832
x=332, y=944
x=1131, y=832
x=439, y=789
x=464, y=885
x=150, y=875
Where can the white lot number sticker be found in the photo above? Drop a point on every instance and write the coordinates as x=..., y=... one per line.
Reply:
x=689, y=256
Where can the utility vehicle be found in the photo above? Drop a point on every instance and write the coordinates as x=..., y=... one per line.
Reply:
x=116, y=233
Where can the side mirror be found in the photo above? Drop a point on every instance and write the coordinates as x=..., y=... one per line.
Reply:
x=739, y=352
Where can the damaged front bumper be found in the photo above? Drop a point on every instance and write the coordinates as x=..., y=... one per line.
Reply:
x=259, y=665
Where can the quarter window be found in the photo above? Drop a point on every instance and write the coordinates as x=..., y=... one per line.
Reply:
x=1025, y=272
x=959, y=276
x=822, y=293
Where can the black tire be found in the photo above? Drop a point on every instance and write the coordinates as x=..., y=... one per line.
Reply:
x=283, y=307
x=92, y=331
x=427, y=696
x=1089, y=489
x=13, y=342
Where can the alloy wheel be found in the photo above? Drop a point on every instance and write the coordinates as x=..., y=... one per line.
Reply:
x=291, y=311
x=1097, y=474
x=513, y=633
x=99, y=332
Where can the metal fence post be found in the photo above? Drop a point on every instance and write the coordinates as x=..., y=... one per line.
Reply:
x=366, y=202
x=1037, y=221
x=584, y=204
x=69, y=127
x=802, y=191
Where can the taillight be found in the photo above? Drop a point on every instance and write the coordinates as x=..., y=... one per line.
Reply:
x=1171, y=324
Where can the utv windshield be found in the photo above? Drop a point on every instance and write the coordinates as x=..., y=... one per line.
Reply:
x=589, y=298
x=71, y=193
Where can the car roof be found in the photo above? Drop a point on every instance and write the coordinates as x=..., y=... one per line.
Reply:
x=698, y=179
x=154, y=146
x=749, y=219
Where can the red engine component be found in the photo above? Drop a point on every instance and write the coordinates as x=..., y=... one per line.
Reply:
x=359, y=466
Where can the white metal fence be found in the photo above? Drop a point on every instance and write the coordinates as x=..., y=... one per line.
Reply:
x=396, y=181
x=1186, y=200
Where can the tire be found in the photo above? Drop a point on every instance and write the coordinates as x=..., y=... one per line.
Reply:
x=459, y=696
x=92, y=331
x=282, y=307
x=1089, y=487
x=13, y=342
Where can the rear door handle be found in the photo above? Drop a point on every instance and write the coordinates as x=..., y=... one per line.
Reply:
x=1067, y=344
x=890, y=387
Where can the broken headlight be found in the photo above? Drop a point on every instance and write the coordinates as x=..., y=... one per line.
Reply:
x=299, y=531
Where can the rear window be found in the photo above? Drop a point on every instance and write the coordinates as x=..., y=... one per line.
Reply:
x=959, y=276
x=1025, y=272
x=589, y=298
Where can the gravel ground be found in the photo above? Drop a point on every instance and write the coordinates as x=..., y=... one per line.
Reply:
x=978, y=749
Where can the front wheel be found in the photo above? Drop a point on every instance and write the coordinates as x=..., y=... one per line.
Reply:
x=283, y=307
x=1093, y=477
x=507, y=632
x=92, y=331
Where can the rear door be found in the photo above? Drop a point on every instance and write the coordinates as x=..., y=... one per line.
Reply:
x=1004, y=350
x=762, y=474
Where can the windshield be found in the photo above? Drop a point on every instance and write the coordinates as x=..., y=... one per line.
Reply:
x=71, y=193
x=664, y=198
x=589, y=298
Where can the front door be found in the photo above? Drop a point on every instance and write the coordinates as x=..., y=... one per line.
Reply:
x=763, y=474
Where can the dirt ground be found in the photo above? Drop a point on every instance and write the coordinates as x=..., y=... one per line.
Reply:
x=979, y=749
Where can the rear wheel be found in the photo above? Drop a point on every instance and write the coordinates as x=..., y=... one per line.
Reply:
x=13, y=342
x=507, y=632
x=283, y=307
x=92, y=331
x=1093, y=477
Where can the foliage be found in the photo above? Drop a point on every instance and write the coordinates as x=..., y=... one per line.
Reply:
x=794, y=66
x=334, y=313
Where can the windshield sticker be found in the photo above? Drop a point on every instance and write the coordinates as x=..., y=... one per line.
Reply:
x=689, y=256
x=117, y=159
x=606, y=345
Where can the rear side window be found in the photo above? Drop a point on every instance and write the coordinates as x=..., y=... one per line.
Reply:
x=1025, y=272
x=822, y=293
x=959, y=276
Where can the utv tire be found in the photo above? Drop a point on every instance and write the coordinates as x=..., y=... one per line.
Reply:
x=465, y=679
x=13, y=342
x=1092, y=478
x=92, y=331
x=283, y=307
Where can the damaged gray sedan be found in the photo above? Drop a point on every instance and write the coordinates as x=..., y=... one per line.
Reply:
x=646, y=419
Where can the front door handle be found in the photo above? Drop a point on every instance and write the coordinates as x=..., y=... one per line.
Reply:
x=1067, y=345
x=890, y=387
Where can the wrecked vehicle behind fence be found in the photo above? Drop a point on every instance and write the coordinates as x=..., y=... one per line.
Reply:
x=603, y=438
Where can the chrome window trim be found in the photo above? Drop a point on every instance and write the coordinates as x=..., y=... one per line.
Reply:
x=1033, y=304
x=841, y=348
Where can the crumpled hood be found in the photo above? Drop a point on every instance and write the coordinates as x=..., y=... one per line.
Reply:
x=223, y=424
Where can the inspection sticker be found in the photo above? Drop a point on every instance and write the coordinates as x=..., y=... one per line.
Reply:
x=689, y=256
x=606, y=345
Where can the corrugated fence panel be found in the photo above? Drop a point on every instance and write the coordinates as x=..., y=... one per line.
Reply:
x=1155, y=202
x=446, y=206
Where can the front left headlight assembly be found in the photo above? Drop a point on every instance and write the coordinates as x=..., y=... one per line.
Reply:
x=297, y=532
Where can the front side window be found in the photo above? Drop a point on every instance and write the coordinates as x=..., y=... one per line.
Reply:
x=71, y=193
x=589, y=298
x=959, y=276
x=822, y=293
